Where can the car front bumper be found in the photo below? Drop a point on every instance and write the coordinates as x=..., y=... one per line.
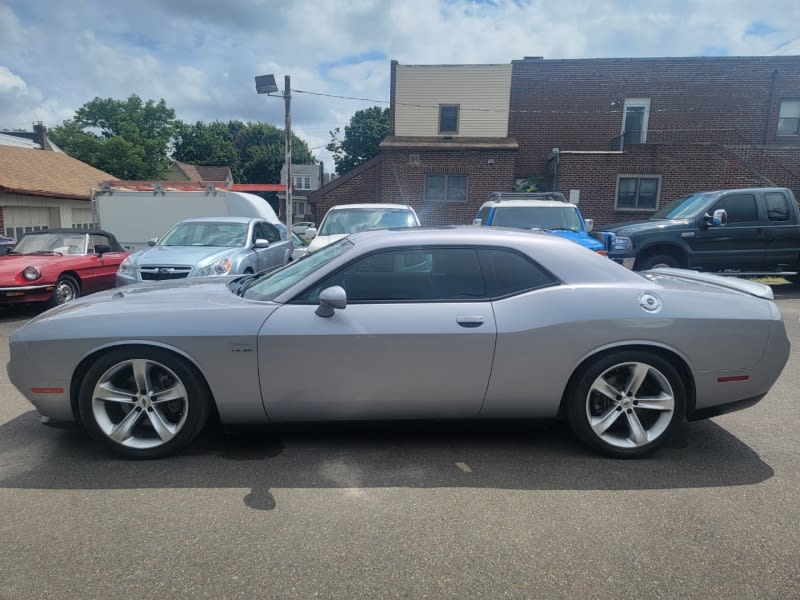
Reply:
x=25, y=293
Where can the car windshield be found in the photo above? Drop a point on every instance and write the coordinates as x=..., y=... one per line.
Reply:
x=206, y=233
x=542, y=217
x=269, y=286
x=61, y=243
x=687, y=207
x=350, y=220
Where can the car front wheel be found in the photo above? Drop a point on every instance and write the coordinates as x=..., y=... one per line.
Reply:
x=143, y=402
x=626, y=404
x=65, y=290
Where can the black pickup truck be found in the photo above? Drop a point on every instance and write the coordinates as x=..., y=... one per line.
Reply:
x=753, y=231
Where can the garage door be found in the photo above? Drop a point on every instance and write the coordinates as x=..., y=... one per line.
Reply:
x=19, y=220
x=82, y=218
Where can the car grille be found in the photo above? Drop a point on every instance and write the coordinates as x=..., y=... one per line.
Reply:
x=162, y=273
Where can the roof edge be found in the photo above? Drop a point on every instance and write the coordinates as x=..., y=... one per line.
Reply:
x=317, y=194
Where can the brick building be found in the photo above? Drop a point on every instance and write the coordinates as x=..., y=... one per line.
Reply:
x=625, y=136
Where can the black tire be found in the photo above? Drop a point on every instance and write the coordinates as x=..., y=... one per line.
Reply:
x=163, y=425
x=65, y=290
x=609, y=425
x=657, y=260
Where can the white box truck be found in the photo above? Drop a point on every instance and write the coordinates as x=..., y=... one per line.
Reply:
x=135, y=216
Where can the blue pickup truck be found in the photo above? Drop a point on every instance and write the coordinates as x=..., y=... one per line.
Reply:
x=547, y=211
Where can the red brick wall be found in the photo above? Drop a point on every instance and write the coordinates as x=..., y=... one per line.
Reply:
x=568, y=103
x=363, y=187
x=403, y=181
x=683, y=169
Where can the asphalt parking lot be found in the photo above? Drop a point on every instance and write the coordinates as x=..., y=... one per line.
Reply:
x=514, y=510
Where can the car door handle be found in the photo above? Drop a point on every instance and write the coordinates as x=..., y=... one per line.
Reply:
x=470, y=321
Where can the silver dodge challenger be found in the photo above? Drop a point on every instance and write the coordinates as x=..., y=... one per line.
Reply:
x=439, y=323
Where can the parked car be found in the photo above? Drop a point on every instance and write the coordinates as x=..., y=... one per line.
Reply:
x=6, y=244
x=414, y=323
x=548, y=211
x=750, y=231
x=300, y=227
x=56, y=266
x=344, y=219
x=205, y=247
x=300, y=247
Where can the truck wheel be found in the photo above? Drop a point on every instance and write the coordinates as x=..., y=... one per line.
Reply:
x=657, y=260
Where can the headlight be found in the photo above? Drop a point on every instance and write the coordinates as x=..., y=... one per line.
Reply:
x=222, y=267
x=31, y=273
x=623, y=243
x=125, y=267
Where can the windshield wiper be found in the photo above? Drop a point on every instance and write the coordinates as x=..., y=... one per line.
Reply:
x=239, y=286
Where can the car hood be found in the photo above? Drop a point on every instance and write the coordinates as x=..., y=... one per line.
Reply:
x=321, y=241
x=12, y=264
x=632, y=228
x=184, y=255
x=579, y=237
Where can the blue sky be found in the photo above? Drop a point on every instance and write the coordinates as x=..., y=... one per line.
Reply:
x=201, y=55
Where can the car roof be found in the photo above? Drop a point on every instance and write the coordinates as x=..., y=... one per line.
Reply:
x=518, y=203
x=221, y=220
x=369, y=205
x=64, y=230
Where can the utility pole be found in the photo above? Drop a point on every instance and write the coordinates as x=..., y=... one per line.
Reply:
x=287, y=97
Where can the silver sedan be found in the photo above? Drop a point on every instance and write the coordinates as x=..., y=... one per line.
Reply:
x=450, y=323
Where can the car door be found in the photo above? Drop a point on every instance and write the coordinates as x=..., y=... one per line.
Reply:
x=266, y=258
x=98, y=272
x=782, y=231
x=740, y=244
x=416, y=340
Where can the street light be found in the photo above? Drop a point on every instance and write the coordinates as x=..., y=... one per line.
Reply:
x=265, y=84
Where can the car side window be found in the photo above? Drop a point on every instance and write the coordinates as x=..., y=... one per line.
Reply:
x=97, y=240
x=741, y=208
x=508, y=273
x=777, y=206
x=409, y=275
x=271, y=232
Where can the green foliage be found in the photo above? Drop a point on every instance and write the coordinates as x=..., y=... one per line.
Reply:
x=255, y=152
x=531, y=184
x=126, y=138
x=367, y=129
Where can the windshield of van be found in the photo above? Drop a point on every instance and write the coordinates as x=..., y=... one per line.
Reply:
x=351, y=220
x=683, y=208
x=538, y=217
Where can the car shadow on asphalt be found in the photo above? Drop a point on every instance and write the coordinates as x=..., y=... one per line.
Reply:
x=516, y=455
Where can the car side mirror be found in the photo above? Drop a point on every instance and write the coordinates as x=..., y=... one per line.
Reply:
x=102, y=248
x=310, y=233
x=720, y=217
x=261, y=243
x=152, y=241
x=330, y=299
x=477, y=221
x=589, y=224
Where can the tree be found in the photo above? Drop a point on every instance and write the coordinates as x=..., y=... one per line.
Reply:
x=367, y=129
x=255, y=152
x=127, y=138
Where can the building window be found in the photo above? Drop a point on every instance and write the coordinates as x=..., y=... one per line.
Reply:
x=789, y=118
x=301, y=183
x=638, y=192
x=448, y=118
x=635, y=118
x=446, y=188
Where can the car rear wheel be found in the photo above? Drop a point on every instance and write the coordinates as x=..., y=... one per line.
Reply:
x=626, y=404
x=143, y=402
x=656, y=261
x=65, y=290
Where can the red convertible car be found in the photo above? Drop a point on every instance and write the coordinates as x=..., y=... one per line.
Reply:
x=59, y=265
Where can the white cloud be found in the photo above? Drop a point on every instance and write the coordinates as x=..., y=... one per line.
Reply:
x=201, y=55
